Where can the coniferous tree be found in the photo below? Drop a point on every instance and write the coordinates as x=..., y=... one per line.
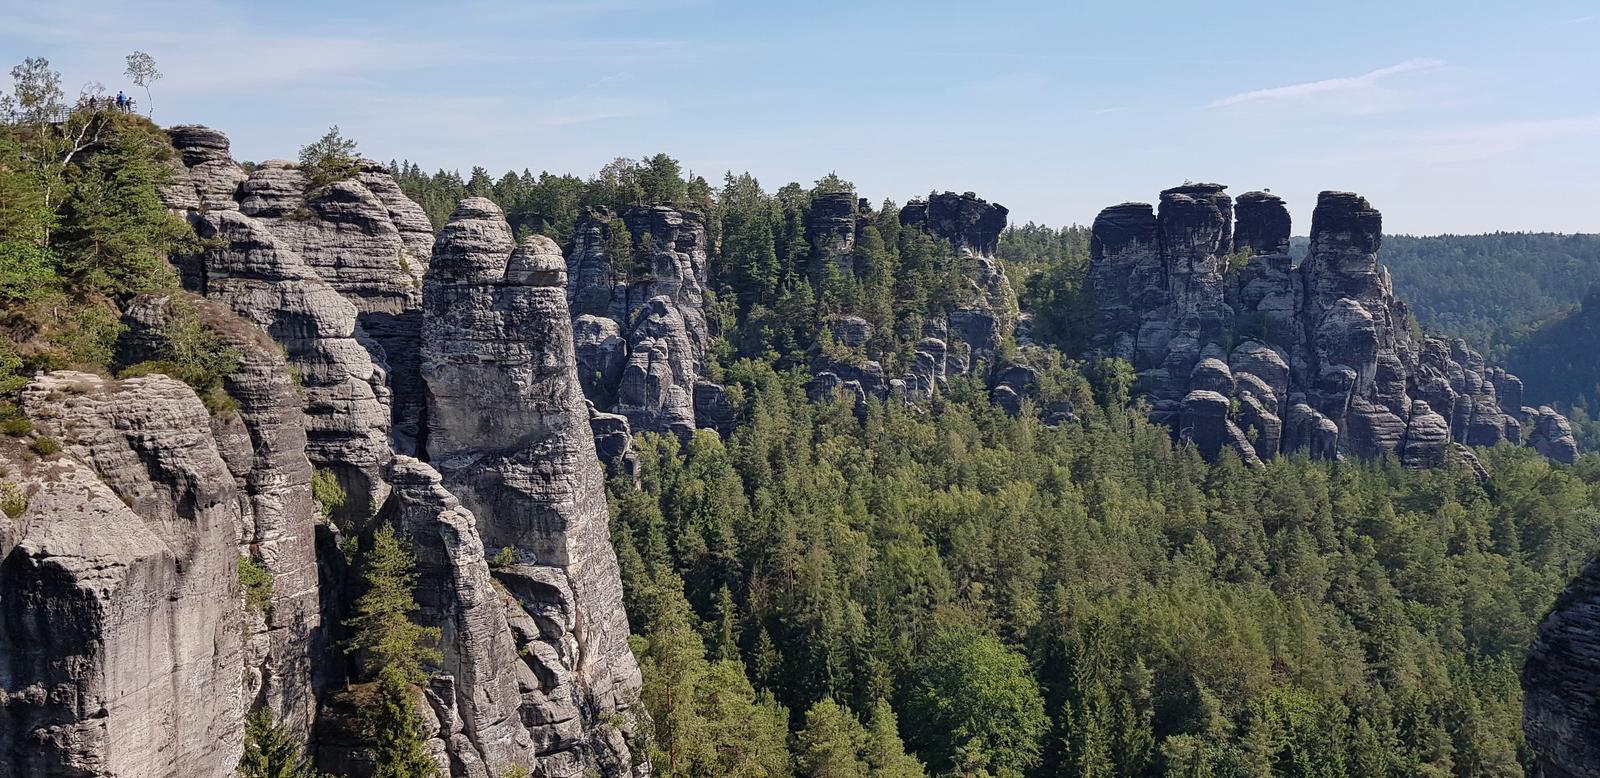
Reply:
x=394, y=650
x=271, y=750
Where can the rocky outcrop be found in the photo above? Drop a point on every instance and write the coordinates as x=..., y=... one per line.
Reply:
x=656, y=391
x=122, y=620
x=831, y=231
x=966, y=221
x=263, y=443
x=1323, y=359
x=330, y=275
x=640, y=320
x=346, y=396
x=511, y=438
x=482, y=679
x=370, y=248
x=1551, y=434
x=971, y=333
x=1561, y=682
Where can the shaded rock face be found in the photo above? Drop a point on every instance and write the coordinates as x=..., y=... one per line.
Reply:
x=1318, y=357
x=656, y=391
x=965, y=220
x=642, y=337
x=971, y=333
x=511, y=437
x=263, y=445
x=1561, y=683
x=1551, y=434
x=121, y=624
x=831, y=231
x=483, y=675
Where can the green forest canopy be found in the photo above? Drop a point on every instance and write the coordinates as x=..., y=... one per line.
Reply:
x=953, y=591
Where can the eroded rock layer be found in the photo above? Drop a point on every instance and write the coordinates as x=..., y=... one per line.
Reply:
x=510, y=434
x=120, y=625
x=1320, y=357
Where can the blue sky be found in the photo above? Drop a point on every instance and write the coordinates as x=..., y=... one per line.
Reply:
x=1460, y=116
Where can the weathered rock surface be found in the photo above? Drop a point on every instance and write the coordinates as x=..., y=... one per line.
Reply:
x=1325, y=353
x=482, y=675
x=1552, y=435
x=371, y=244
x=831, y=231
x=965, y=220
x=331, y=277
x=1561, y=682
x=641, y=326
x=656, y=391
x=120, y=629
x=510, y=435
x=263, y=444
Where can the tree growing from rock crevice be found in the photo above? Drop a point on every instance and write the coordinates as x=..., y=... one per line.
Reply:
x=394, y=650
x=329, y=159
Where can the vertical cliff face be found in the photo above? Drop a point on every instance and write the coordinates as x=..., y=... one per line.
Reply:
x=831, y=231
x=1318, y=357
x=371, y=244
x=120, y=626
x=1561, y=683
x=510, y=435
x=482, y=730
x=262, y=278
x=263, y=443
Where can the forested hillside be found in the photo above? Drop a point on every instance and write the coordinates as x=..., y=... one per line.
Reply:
x=1560, y=363
x=1491, y=289
x=1001, y=597
x=1084, y=601
x=913, y=525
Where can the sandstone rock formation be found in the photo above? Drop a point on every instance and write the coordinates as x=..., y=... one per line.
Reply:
x=121, y=621
x=536, y=670
x=509, y=433
x=261, y=277
x=486, y=677
x=263, y=443
x=831, y=231
x=1561, y=682
x=971, y=226
x=1319, y=358
x=640, y=320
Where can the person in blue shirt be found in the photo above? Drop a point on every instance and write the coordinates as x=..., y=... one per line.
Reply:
x=122, y=100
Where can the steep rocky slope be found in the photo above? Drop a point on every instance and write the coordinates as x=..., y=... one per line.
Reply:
x=510, y=436
x=121, y=626
x=132, y=644
x=1237, y=347
x=1561, y=683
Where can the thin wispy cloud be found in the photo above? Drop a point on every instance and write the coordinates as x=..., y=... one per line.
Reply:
x=1347, y=86
x=1580, y=20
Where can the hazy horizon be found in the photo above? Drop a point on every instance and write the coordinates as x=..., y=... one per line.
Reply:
x=1449, y=119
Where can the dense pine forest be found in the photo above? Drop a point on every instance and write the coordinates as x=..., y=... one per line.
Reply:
x=842, y=590
x=829, y=586
x=1493, y=289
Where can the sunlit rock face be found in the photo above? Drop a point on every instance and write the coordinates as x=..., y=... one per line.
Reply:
x=510, y=435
